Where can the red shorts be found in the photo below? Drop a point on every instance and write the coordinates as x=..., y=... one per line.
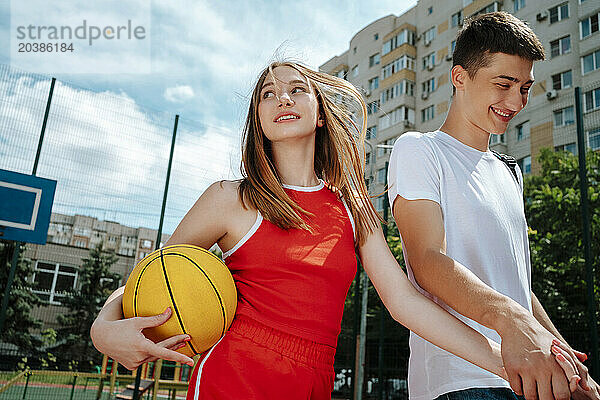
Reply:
x=254, y=361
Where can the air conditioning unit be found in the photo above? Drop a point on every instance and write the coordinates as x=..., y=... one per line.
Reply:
x=367, y=92
x=424, y=95
x=541, y=15
x=427, y=42
x=407, y=124
x=552, y=94
x=448, y=57
x=430, y=67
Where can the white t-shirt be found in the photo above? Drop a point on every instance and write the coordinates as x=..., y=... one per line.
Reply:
x=486, y=231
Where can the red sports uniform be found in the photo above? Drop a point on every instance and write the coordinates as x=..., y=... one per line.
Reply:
x=291, y=288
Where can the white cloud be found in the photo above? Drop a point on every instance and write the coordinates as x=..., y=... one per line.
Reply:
x=108, y=154
x=179, y=94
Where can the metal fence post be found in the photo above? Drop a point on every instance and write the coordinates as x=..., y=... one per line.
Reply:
x=585, y=216
x=73, y=387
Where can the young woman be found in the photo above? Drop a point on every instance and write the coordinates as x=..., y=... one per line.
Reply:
x=289, y=231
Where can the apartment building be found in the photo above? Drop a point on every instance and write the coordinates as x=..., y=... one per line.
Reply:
x=402, y=63
x=70, y=237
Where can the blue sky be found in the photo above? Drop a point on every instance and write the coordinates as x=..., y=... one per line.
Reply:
x=205, y=56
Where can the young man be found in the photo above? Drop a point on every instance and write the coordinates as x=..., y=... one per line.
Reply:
x=460, y=213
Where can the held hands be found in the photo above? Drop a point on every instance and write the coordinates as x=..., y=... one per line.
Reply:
x=529, y=359
x=124, y=342
x=587, y=388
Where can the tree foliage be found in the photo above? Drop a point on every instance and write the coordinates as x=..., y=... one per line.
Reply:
x=552, y=207
x=95, y=283
x=19, y=325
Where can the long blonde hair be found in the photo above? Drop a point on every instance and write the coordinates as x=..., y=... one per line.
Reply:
x=338, y=145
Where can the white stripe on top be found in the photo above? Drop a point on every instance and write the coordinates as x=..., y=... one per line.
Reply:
x=306, y=188
x=350, y=216
x=247, y=236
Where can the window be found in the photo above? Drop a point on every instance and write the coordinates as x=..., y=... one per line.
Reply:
x=376, y=36
x=341, y=73
x=523, y=131
x=525, y=165
x=381, y=175
x=588, y=26
x=373, y=107
x=375, y=59
x=380, y=203
x=374, y=83
x=560, y=46
x=429, y=10
x=54, y=280
x=429, y=35
x=487, y=9
x=591, y=100
x=429, y=61
x=367, y=158
x=452, y=46
x=355, y=71
x=405, y=36
x=518, y=4
x=564, y=117
x=372, y=132
x=354, y=50
x=562, y=81
x=404, y=62
x=457, y=19
x=396, y=116
x=427, y=113
x=146, y=244
x=590, y=62
x=428, y=86
x=559, y=12
x=571, y=148
x=594, y=138
x=495, y=139
x=385, y=147
x=402, y=87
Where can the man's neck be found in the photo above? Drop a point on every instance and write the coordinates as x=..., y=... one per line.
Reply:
x=464, y=130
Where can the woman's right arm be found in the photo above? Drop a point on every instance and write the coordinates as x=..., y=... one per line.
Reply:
x=122, y=338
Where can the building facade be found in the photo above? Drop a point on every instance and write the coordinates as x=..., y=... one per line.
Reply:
x=402, y=66
x=70, y=238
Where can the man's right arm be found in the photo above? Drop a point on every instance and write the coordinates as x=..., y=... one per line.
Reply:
x=526, y=345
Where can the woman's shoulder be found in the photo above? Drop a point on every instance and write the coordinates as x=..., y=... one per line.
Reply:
x=224, y=192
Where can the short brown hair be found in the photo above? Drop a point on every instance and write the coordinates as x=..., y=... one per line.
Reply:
x=495, y=32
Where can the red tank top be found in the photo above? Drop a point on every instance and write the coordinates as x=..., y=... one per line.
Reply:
x=295, y=280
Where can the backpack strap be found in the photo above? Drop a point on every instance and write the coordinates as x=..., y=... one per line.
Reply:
x=510, y=162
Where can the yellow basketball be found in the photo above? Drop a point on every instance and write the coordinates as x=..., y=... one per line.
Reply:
x=194, y=283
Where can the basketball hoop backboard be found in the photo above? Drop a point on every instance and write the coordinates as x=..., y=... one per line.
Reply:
x=25, y=206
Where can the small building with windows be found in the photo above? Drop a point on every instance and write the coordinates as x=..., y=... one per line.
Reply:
x=70, y=238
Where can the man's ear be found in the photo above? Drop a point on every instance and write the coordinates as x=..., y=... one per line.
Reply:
x=458, y=76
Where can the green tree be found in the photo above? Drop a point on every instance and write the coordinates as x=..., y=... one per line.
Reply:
x=552, y=207
x=96, y=283
x=19, y=322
